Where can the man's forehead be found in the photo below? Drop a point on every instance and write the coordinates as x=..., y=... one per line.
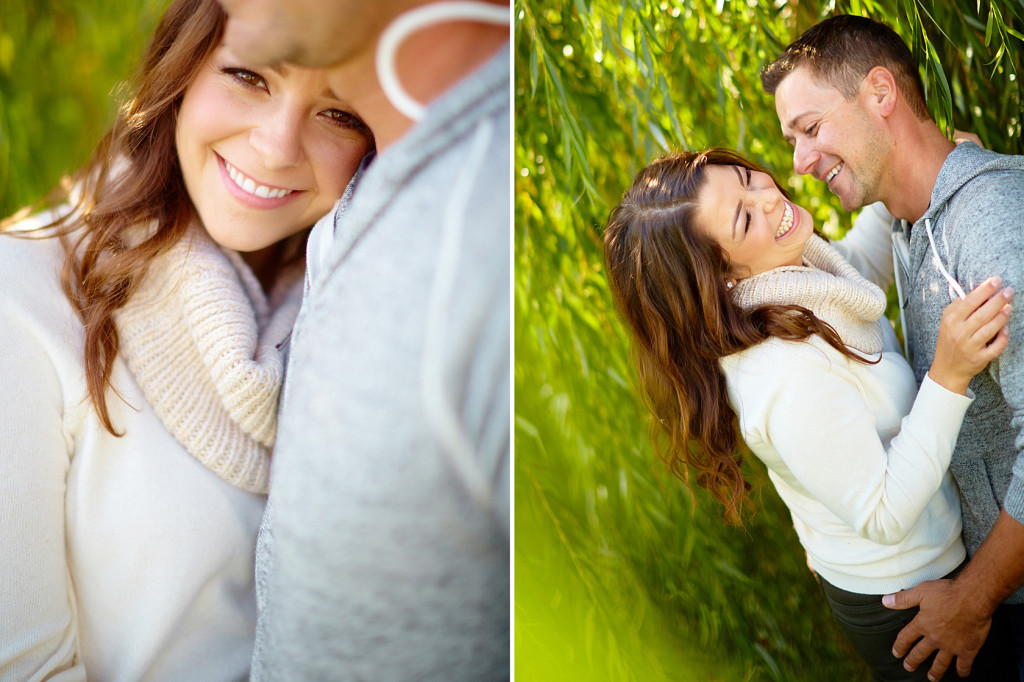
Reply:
x=800, y=93
x=806, y=75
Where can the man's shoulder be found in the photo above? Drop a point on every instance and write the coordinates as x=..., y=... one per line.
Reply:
x=973, y=173
x=980, y=210
x=994, y=183
x=992, y=197
x=982, y=223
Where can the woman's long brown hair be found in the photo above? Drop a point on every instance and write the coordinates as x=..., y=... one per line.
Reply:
x=668, y=279
x=132, y=178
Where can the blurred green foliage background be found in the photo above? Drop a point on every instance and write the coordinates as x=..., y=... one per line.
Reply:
x=621, y=574
x=61, y=62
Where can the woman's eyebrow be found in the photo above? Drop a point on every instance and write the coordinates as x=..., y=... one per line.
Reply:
x=739, y=205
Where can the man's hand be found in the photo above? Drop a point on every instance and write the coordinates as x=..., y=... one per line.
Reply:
x=949, y=622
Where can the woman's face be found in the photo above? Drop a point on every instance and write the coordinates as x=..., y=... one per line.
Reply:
x=746, y=214
x=264, y=154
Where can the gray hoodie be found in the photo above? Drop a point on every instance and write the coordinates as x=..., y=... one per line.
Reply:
x=976, y=218
x=384, y=552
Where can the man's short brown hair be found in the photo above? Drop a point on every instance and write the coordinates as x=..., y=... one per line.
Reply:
x=842, y=50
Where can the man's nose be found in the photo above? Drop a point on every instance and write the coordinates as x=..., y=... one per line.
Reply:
x=804, y=157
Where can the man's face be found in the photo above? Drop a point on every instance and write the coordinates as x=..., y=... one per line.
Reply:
x=313, y=33
x=835, y=139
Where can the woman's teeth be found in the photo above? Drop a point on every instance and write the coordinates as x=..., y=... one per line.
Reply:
x=832, y=173
x=250, y=186
x=787, y=221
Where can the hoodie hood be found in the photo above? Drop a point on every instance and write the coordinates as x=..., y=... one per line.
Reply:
x=964, y=163
x=929, y=235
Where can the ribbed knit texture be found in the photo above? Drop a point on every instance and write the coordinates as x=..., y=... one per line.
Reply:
x=201, y=339
x=826, y=285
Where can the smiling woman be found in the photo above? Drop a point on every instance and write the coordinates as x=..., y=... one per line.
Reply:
x=274, y=158
x=147, y=345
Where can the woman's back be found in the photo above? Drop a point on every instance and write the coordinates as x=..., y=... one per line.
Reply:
x=849, y=463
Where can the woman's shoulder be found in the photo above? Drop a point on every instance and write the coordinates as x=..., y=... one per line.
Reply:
x=30, y=275
x=30, y=264
x=27, y=243
x=775, y=355
x=777, y=367
x=39, y=327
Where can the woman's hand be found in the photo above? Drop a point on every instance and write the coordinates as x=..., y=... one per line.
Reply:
x=972, y=333
x=961, y=136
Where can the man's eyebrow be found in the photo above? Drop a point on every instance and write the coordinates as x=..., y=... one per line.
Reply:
x=739, y=204
x=796, y=119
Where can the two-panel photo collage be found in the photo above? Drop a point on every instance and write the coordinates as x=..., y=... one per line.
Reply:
x=483, y=340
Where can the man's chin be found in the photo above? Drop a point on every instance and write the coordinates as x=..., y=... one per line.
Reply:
x=851, y=202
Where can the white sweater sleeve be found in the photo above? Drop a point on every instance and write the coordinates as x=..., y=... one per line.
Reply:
x=37, y=617
x=808, y=420
x=868, y=245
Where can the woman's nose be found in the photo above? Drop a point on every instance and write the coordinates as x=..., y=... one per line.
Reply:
x=768, y=199
x=278, y=138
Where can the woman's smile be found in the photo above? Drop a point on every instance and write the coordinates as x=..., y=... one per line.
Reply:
x=249, y=192
x=790, y=220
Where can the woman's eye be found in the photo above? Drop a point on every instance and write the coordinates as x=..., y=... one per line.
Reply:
x=810, y=130
x=246, y=77
x=344, y=119
x=748, y=176
x=746, y=226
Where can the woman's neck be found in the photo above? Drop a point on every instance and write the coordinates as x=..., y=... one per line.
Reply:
x=265, y=264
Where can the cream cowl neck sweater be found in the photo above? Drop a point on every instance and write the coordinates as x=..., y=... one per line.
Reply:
x=829, y=287
x=203, y=342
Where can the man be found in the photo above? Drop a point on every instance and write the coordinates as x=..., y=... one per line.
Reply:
x=850, y=101
x=383, y=554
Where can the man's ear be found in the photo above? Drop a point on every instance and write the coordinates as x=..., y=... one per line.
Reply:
x=880, y=91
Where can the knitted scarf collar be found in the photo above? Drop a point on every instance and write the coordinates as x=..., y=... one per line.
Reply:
x=201, y=339
x=826, y=285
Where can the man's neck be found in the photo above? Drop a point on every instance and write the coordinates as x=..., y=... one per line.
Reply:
x=429, y=62
x=921, y=151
